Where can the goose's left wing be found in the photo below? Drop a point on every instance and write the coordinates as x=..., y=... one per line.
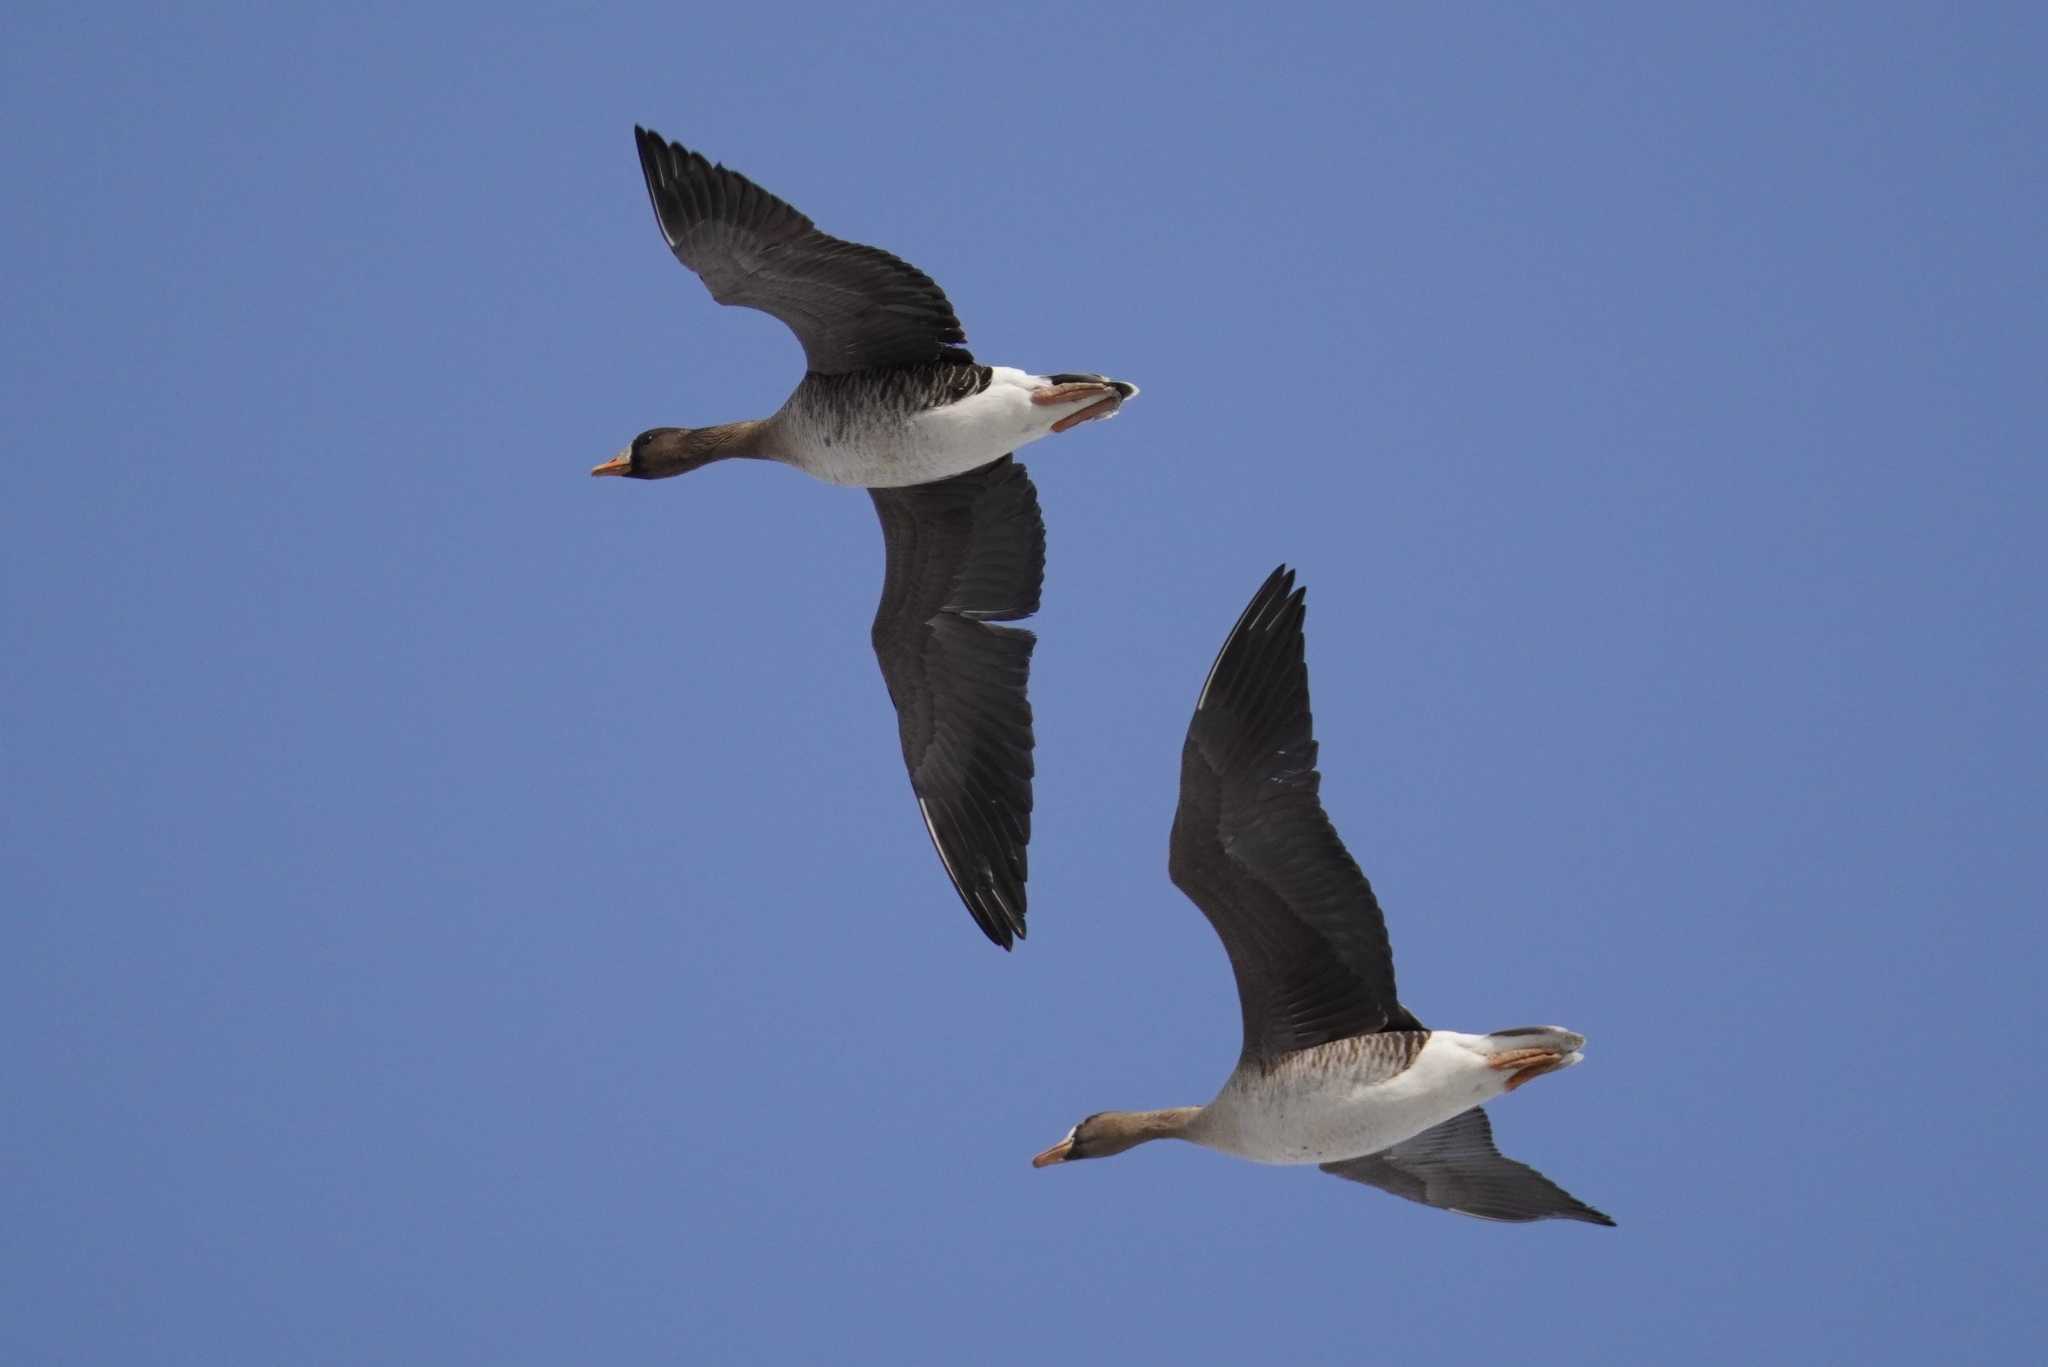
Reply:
x=853, y=307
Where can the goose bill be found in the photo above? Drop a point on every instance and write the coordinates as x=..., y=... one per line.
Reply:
x=1056, y=1154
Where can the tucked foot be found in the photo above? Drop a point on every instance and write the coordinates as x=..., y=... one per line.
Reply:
x=1101, y=408
x=1071, y=393
x=1533, y=1050
x=1540, y=1062
x=1102, y=395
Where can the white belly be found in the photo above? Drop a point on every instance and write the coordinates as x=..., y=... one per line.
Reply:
x=1311, y=1118
x=939, y=443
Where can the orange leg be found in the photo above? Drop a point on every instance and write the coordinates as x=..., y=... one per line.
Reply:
x=1100, y=409
x=1107, y=401
x=1527, y=1063
x=1067, y=393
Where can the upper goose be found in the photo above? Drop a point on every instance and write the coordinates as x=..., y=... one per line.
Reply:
x=892, y=401
x=1335, y=1071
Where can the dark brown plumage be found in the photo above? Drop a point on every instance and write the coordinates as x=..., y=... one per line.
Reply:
x=964, y=553
x=853, y=307
x=1454, y=1166
x=892, y=402
x=1323, y=1023
x=1254, y=850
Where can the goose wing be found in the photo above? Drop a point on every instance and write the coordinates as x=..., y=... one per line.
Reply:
x=964, y=553
x=852, y=307
x=1454, y=1166
x=1253, y=848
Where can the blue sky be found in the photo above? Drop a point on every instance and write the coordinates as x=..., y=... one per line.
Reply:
x=459, y=910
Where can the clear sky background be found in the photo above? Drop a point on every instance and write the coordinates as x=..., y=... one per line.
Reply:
x=458, y=910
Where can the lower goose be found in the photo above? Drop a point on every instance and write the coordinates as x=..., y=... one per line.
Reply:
x=1335, y=1071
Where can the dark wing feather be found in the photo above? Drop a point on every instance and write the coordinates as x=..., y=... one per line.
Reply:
x=1454, y=1166
x=965, y=552
x=852, y=307
x=1253, y=849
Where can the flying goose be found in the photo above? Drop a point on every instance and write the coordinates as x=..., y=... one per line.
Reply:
x=893, y=402
x=1335, y=1071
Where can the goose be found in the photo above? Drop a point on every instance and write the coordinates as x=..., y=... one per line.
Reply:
x=1334, y=1070
x=893, y=402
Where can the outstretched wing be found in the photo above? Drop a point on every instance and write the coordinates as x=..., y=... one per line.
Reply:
x=852, y=307
x=1254, y=850
x=963, y=553
x=1454, y=1166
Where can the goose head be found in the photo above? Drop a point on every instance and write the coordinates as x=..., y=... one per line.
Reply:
x=662, y=452
x=1107, y=1133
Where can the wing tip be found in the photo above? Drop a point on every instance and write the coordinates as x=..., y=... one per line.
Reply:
x=1000, y=921
x=1275, y=615
x=650, y=145
x=671, y=169
x=1000, y=915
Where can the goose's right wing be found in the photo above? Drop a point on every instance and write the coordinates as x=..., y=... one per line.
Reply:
x=1454, y=1166
x=965, y=553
